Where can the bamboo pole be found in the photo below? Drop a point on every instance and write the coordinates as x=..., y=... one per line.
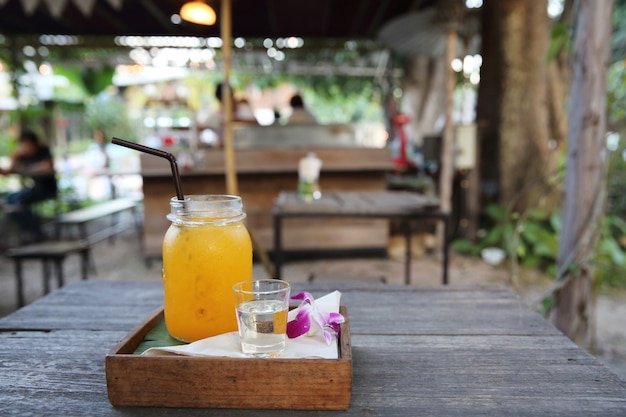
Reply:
x=447, y=145
x=227, y=102
x=228, y=107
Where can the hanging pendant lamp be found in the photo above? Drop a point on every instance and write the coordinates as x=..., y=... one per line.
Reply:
x=198, y=12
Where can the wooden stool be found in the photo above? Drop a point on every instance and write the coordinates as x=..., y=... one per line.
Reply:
x=53, y=252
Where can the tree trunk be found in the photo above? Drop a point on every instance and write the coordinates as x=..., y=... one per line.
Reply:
x=488, y=114
x=585, y=176
x=524, y=153
x=516, y=161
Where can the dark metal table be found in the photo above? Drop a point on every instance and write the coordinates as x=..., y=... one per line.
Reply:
x=443, y=351
x=407, y=207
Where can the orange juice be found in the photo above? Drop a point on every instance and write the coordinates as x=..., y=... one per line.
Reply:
x=206, y=250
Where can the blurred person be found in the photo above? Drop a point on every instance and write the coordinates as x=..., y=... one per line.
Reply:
x=34, y=163
x=242, y=112
x=299, y=113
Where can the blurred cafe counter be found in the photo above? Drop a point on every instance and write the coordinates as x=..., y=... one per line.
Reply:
x=266, y=161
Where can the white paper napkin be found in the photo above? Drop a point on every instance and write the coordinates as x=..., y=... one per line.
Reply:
x=227, y=344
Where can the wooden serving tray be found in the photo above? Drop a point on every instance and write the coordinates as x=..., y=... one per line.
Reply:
x=220, y=382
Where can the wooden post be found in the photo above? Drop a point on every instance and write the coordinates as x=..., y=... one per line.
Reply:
x=585, y=174
x=228, y=107
x=447, y=145
x=227, y=102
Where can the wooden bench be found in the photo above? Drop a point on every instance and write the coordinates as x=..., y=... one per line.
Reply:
x=53, y=252
x=82, y=217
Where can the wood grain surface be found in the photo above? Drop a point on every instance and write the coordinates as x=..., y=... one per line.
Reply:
x=416, y=351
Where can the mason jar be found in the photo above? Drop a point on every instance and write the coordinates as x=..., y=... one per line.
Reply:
x=206, y=250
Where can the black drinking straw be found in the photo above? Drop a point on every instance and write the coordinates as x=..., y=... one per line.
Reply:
x=156, y=152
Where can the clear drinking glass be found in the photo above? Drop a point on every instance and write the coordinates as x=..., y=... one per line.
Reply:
x=261, y=307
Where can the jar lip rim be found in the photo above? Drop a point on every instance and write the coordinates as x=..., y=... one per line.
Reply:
x=207, y=201
x=198, y=221
x=196, y=208
x=206, y=198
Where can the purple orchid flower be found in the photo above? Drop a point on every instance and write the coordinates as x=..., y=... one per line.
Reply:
x=309, y=320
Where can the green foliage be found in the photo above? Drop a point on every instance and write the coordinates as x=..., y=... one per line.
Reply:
x=331, y=98
x=466, y=247
x=610, y=260
x=30, y=118
x=74, y=91
x=96, y=80
x=619, y=30
x=560, y=39
x=7, y=144
x=546, y=305
x=532, y=240
x=157, y=337
x=616, y=92
x=616, y=184
x=349, y=101
x=109, y=115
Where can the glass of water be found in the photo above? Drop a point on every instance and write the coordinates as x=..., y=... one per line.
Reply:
x=261, y=307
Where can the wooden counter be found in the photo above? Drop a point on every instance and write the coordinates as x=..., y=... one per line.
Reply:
x=262, y=174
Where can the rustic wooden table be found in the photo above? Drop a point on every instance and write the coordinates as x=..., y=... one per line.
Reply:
x=407, y=207
x=444, y=351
